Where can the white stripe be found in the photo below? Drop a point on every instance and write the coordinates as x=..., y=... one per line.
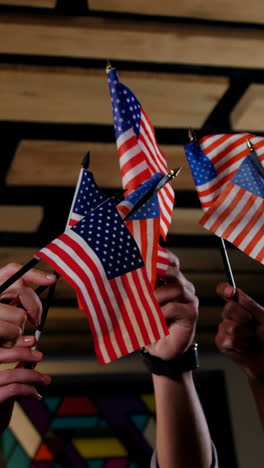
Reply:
x=153, y=306
x=90, y=275
x=133, y=172
x=244, y=220
x=165, y=213
x=127, y=205
x=128, y=155
x=162, y=267
x=124, y=137
x=129, y=309
x=83, y=288
x=231, y=216
x=76, y=217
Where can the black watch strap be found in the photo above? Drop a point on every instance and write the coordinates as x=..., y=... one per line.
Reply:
x=184, y=362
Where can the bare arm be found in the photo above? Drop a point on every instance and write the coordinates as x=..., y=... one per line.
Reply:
x=241, y=338
x=182, y=432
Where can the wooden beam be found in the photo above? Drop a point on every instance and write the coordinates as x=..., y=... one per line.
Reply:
x=30, y=3
x=129, y=40
x=248, y=114
x=222, y=11
x=57, y=163
x=20, y=218
x=45, y=94
x=191, y=260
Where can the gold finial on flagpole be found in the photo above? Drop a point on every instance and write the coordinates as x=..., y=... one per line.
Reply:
x=108, y=66
x=191, y=135
x=174, y=172
x=249, y=145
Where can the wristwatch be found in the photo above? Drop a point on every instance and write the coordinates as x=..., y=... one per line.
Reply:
x=184, y=362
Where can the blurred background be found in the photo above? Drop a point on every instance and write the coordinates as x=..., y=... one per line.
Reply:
x=190, y=64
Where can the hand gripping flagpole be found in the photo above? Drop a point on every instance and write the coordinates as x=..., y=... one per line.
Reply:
x=225, y=258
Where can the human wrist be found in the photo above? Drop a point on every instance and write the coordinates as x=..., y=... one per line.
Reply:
x=172, y=368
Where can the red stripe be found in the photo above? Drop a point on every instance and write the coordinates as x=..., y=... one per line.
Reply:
x=260, y=256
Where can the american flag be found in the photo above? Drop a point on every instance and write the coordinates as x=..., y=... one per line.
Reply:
x=87, y=197
x=214, y=160
x=162, y=261
x=100, y=259
x=238, y=213
x=139, y=154
x=144, y=223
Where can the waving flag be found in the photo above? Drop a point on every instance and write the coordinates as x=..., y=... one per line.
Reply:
x=139, y=154
x=100, y=259
x=214, y=160
x=144, y=223
x=87, y=197
x=238, y=213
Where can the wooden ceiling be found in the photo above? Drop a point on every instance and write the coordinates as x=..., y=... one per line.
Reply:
x=191, y=64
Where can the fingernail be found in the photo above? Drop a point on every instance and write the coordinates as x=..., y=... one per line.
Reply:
x=29, y=339
x=37, y=354
x=50, y=276
x=229, y=291
x=38, y=396
x=46, y=379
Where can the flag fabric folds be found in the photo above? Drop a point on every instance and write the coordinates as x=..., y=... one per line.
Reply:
x=144, y=224
x=100, y=259
x=214, y=160
x=139, y=154
x=237, y=215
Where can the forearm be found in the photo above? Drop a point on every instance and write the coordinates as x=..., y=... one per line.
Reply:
x=257, y=387
x=183, y=438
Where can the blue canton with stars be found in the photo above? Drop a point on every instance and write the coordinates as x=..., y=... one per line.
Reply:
x=150, y=209
x=248, y=177
x=89, y=196
x=202, y=169
x=107, y=235
x=126, y=107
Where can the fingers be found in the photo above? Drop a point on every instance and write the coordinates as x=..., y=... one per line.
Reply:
x=31, y=303
x=34, y=275
x=176, y=291
x=232, y=337
x=244, y=308
x=21, y=382
x=234, y=311
x=19, y=354
x=225, y=290
x=187, y=314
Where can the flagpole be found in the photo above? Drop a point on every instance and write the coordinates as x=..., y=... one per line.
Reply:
x=255, y=158
x=226, y=261
x=167, y=178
